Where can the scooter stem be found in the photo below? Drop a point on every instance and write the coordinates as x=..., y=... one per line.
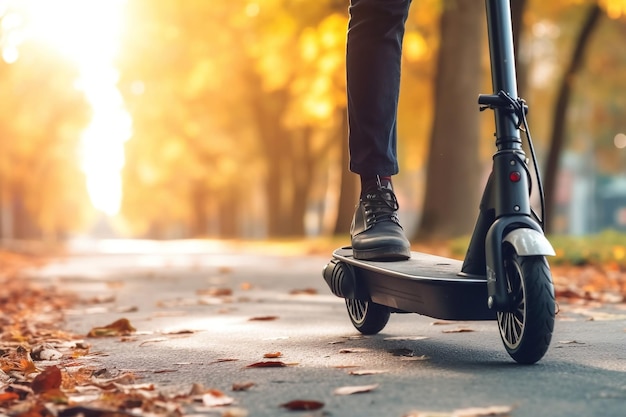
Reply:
x=503, y=77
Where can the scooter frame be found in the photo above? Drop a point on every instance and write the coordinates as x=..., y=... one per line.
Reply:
x=505, y=211
x=506, y=253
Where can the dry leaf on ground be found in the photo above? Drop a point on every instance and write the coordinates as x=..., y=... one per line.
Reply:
x=121, y=327
x=308, y=291
x=216, y=398
x=492, y=411
x=459, y=330
x=242, y=386
x=272, y=355
x=404, y=338
x=354, y=350
x=303, y=405
x=355, y=389
x=47, y=380
x=215, y=292
x=360, y=372
x=267, y=364
x=263, y=318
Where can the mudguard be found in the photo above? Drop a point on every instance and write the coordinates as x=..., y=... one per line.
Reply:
x=529, y=242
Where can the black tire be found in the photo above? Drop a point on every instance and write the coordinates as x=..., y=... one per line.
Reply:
x=367, y=317
x=526, y=329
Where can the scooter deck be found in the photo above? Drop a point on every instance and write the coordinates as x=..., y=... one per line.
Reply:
x=424, y=284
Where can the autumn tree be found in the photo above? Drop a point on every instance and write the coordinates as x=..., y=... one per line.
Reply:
x=565, y=89
x=42, y=187
x=234, y=108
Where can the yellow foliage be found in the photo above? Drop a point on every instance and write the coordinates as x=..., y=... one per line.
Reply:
x=415, y=47
x=614, y=8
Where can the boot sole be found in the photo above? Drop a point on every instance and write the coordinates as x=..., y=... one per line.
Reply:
x=389, y=254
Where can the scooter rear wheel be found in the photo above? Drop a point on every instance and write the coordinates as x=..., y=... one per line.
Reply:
x=526, y=328
x=367, y=317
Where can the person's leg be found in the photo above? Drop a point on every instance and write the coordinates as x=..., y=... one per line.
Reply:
x=373, y=58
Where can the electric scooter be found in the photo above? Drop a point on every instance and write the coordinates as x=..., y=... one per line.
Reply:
x=505, y=275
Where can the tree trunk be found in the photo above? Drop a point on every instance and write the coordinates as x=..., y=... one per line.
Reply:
x=557, y=137
x=302, y=169
x=349, y=184
x=229, y=214
x=454, y=170
x=268, y=110
x=199, y=224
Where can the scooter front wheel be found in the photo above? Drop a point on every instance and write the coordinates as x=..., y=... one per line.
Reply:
x=526, y=327
x=367, y=317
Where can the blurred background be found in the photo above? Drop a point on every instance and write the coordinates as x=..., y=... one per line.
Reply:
x=217, y=119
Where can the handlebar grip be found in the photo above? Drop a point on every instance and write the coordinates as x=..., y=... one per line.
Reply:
x=489, y=100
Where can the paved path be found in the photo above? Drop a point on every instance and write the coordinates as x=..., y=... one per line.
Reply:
x=164, y=289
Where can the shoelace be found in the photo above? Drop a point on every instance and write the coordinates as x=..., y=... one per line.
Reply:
x=381, y=206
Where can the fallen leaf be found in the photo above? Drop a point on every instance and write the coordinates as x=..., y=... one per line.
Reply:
x=27, y=366
x=54, y=396
x=572, y=343
x=8, y=396
x=234, y=412
x=121, y=327
x=153, y=340
x=215, y=292
x=197, y=389
x=308, y=291
x=263, y=318
x=267, y=364
x=45, y=352
x=458, y=330
x=354, y=350
x=442, y=322
x=243, y=386
x=367, y=372
x=49, y=379
x=492, y=411
x=224, y=360
x=272, y=355
x=405, y=338
x=179, y=332
x=302, y=405
x=356, y=389
x=164, y=371
x=87, y=412
x=216, y=398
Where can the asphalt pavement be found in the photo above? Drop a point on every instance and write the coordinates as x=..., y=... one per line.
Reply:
x=206, y=311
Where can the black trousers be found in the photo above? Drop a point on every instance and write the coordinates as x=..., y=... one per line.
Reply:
x=373, y=59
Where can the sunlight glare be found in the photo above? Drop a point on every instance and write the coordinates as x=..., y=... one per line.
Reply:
x=88, y=32
x=620, y=141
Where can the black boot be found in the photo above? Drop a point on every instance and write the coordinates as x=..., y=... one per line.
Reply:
x=376, y=231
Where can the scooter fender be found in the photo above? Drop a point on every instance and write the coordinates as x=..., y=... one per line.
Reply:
x=526, y=237
x=529, y=242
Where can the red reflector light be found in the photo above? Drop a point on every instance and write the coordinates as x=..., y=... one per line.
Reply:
x=515, y=176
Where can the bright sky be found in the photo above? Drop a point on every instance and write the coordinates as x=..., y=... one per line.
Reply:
x=88, y=32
